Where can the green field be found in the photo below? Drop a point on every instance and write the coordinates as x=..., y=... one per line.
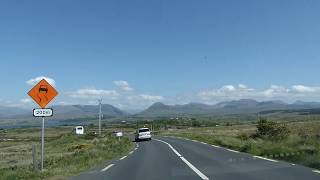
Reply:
x=66, y=154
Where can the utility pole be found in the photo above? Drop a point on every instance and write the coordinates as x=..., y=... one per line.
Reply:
x=100, y=101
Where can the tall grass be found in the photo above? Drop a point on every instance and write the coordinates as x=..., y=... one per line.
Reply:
x=67, y=155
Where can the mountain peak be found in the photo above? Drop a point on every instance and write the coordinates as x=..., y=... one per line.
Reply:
x=158, y=104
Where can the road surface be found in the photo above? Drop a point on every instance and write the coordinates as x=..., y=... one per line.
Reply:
x=166, y=158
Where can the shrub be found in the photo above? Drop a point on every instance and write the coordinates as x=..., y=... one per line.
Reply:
x=195, y=123
x=272, y=130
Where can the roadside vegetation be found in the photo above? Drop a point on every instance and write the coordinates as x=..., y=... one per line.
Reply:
x=66, y=154
x=296, y=142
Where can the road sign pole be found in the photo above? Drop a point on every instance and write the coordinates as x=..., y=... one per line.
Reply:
x=42, y=144
x=42, y=93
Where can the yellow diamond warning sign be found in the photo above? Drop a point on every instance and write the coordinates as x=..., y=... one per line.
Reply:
x=42, y=93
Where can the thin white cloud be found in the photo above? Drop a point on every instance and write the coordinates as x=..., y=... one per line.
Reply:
x=123, y=85
x=94, y=93
x=64, y=103
x=35, y=80
x=305, y=89
x=146, y=97
x=274, y=91
x=228, y=88
x=26, y=100
x=151, y=98
x=227, y=91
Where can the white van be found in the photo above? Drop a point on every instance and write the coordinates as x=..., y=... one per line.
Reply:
x=79, y=130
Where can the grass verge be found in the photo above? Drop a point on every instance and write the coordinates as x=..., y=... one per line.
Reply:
x=301, y=147
x=66, y=154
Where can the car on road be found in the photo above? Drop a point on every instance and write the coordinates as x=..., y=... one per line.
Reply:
x=143, y=134
x=117, y=133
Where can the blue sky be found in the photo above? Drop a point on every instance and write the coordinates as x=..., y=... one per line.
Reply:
x=170, y=51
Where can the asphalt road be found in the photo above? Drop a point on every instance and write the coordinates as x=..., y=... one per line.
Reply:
x=166, y=158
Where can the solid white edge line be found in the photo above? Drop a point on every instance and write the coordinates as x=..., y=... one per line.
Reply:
x=176, y=152
x=232, y=150
x=316, y=171
x=215, y=146
x=202, y=176
x=123, y=157
x=130, y=152
x=106, y=168
x=197, y=171
x=265, y=159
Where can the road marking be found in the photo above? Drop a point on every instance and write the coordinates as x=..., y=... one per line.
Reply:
x=316, y=171
x=215, y=146
x=265, y=158
x=123, y=157
x=130, y=152
x=232, y=150
x=199, y=173
x=203, y=143
x=293, y=164
x=106, y=168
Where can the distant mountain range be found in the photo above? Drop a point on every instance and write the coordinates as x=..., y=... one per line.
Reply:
x=243, y=106
x=63, y=112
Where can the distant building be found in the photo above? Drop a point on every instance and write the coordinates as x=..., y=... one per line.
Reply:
x=79, y=130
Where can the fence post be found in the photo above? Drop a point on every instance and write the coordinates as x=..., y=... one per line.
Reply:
x=34, y=157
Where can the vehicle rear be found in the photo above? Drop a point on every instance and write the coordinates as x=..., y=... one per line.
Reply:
x=143, y=134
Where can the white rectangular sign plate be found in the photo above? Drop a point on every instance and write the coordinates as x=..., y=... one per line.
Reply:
x=42, y=112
